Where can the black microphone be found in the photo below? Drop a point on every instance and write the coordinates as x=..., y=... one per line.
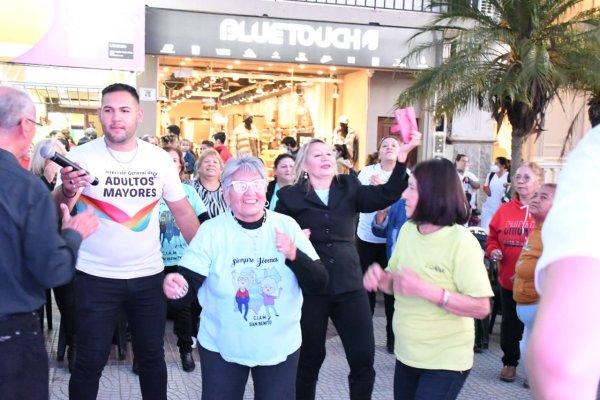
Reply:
x=47, y=151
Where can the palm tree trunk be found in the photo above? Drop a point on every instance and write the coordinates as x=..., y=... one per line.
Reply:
x=516, y=155
x=516, y=152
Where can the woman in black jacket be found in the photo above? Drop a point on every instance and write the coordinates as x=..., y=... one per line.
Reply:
x=283, y=169
x=327, y=204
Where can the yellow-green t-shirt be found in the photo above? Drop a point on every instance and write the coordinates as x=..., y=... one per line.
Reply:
x=428, y=336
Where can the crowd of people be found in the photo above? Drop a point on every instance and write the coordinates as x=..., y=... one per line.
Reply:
x=252, y=271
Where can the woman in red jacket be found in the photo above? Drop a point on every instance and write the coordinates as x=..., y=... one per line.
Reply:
x=508, y=232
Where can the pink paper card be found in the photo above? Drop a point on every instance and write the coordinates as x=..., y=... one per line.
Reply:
x=406, y=122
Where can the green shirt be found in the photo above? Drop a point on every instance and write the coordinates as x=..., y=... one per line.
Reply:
x=428, y=336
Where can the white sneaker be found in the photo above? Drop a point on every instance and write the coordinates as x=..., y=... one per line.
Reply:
x=194, y=342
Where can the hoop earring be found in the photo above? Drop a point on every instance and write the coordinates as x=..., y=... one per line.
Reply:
x=267, y=204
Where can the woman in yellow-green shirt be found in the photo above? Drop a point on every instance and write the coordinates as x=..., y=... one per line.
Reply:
x=440, y=284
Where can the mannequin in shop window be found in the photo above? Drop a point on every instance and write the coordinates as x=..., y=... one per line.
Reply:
x=244, y=138
x=346, y=135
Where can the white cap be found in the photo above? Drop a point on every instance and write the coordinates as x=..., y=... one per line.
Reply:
x=343, y=119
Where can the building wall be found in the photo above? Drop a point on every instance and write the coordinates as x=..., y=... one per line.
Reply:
x=298, y=10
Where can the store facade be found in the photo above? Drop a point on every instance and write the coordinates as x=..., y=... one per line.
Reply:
x=297, y=77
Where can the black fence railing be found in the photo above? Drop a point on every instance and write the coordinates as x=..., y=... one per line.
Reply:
x=402, y=5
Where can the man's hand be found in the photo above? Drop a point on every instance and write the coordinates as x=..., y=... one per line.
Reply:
x=72, y=180
x=84, y=223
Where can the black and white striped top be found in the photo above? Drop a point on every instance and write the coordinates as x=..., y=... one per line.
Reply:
x=213, y=200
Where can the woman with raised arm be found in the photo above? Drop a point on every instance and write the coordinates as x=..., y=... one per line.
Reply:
x=327, y=204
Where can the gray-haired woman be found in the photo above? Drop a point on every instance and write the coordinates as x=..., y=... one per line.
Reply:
x=248, y=268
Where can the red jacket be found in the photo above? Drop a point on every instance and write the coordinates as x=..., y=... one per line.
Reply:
x=223, y=152
x=508, y=232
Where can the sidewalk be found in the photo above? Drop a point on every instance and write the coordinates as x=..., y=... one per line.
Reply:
x=118, y=382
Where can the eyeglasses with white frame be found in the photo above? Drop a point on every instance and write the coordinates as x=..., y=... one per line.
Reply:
x=241, y=187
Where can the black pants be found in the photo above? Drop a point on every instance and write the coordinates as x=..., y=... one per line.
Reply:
x=351, y=316
x=99, y=302
x=23, y=358
x=511, y=330
x=65, y=300
x=183, y=321
x=370, y=253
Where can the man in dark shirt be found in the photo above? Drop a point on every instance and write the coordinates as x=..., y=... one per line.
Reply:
x=291, y=145
x=33, y=255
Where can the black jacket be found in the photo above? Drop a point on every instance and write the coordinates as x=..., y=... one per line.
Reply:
x=33, y=255
x=333, y=226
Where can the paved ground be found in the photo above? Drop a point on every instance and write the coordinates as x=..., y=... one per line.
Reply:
x=118, y=382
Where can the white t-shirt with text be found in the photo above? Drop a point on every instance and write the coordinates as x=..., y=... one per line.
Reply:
x=126, y=244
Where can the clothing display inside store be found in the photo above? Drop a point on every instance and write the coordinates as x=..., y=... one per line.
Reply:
x=205, y=96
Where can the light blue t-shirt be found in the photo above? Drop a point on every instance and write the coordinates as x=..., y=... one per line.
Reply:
x=172, y=243
x=274, y=198
x=323, y=195
x=251, y=301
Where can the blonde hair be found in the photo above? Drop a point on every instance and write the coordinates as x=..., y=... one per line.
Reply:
x=210, y=153
x=38, y=163
x=301, y=159
x=536, y=169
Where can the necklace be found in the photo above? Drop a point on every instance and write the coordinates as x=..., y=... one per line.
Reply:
x=122, y=163
x=253, y=234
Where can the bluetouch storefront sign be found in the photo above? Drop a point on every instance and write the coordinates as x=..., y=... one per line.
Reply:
x=298, y=34
x=184, y=33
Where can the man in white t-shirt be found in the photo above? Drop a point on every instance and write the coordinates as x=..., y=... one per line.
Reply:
x=563, y=355
x=121, y=268
x=469, y=179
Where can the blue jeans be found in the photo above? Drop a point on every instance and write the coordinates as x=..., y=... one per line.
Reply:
x=227, y=381
x=526, y=313
x=427, y=384
x=23, y=358
x=99, y=301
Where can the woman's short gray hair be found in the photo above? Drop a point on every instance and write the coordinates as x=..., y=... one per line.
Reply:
x=244, y=163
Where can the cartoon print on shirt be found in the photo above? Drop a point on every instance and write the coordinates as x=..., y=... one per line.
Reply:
x=242, y=283
x=269, y=291
x=168, y=228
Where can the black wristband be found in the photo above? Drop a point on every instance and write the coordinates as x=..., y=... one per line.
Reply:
x=62, y=188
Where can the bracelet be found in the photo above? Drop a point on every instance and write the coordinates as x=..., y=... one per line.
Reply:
x=444, y=299
x=62, y=188
x=441, y=301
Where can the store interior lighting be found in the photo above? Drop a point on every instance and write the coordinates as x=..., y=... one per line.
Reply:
x=240, y=83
